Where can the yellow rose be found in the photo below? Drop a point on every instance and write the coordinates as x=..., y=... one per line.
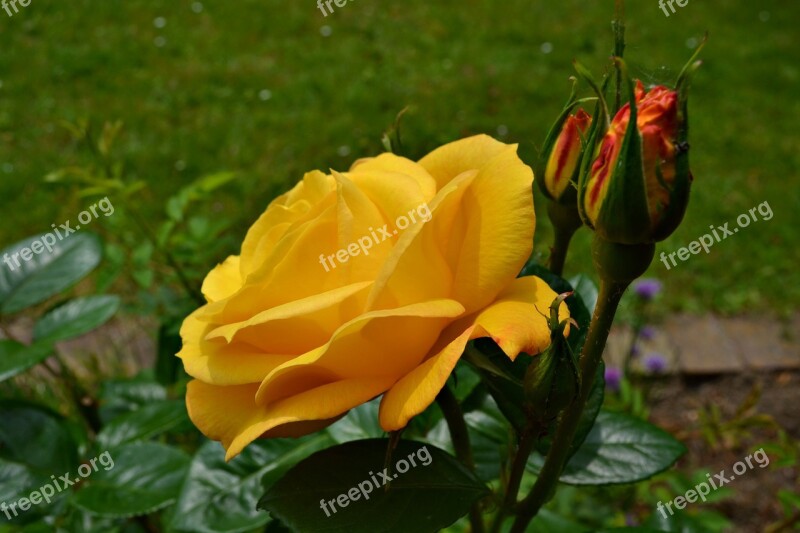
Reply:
x=306, y=323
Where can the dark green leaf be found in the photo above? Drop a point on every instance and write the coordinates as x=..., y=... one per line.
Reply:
x=619, y=449
x=360, y=423
x=16, y=358
x=143, y=424
x=425, y=498
x=37, y=438
x=145, y=477
x=490, y=436
x=222, y=497
x=76, y=317
x=47, y=273
x=586, y=289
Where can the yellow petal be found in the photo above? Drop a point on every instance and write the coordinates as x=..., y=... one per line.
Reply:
x=450, y=160
x=479, y=238
x=231, y=415
x=423, y=249
x=512, y=321
x=298, y=326
x=418, y=389
x=375, y=343
x=222, y=363
x=280, y=214
x=224, y=280
x=515, y=320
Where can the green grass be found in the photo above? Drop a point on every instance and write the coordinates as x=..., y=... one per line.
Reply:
x=193, y=105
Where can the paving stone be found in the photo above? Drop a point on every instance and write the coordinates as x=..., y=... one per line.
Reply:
x=762, y=343
x=704, y=345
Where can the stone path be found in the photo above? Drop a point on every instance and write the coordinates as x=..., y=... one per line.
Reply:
x=714, y=345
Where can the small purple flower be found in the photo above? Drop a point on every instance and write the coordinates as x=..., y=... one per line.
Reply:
x=647, y=288
x=655, y=363
x=647, y=333
x=613, y=378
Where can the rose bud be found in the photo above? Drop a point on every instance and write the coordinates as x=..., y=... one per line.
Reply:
x=636, y=189
x=552, y=380
x=563, y=157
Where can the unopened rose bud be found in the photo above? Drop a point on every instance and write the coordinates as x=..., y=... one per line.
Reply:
x=552, y=380
x=564, y=158
x=636, y=188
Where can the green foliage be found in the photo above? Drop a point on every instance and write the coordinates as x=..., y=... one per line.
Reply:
x=440, y=491
x=219, y=496
x=75, y=318
x=619, y=449
x=48, y=273
x=146, y=477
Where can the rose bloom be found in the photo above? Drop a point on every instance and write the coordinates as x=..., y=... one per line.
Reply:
x=284, y=348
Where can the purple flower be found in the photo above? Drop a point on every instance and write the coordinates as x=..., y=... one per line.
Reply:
x=647, y=333
x=647, y=288
x=655, y=363
x=613, y=378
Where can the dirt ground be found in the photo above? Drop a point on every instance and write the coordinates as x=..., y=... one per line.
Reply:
x=679, y=405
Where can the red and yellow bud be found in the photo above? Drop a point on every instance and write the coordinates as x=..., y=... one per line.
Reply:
x=565, y=157
x=637, y=187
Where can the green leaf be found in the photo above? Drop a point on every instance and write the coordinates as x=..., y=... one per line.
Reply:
x=222, y=497
x=123, y=396
x=426, y=497
x=360, y=423
x=490, y=436
x=143, y=424
x=619, y=449
x=586, y=289
x=76, y=317
x=145, y=477
x=35, y=444
x=37, y=438
x=47, y=273
x=16, y=358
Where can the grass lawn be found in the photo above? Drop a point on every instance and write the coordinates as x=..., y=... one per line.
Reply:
x=271, y=89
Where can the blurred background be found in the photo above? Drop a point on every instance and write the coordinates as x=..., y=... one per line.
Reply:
x=190, y=116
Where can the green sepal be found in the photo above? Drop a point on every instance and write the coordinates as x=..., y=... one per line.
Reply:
x=679, y=194
x=624, y=216
x=597, y=130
